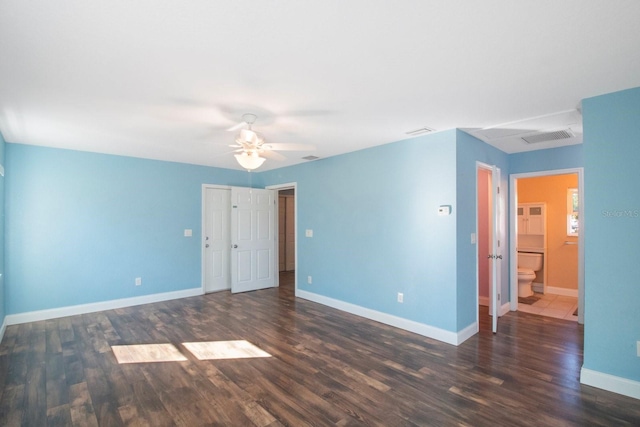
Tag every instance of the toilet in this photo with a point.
(528, 264)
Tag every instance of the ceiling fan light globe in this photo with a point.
(249, 161)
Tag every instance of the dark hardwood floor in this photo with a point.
(327, 368)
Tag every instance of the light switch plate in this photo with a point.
(308, 233)
(473, 238)
(638, 344)
(188, 232)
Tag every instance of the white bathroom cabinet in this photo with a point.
(531, 219)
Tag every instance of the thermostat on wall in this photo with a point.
(444, 210)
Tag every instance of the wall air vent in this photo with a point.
(548, 136)
(310, 158)
(419, 131)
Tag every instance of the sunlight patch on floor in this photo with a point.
(145, 353)
(213, 350)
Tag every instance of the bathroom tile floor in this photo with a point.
(558, 306)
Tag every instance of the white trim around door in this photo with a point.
(288, 186)
(513, 208)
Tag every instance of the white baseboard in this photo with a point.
(467, 333)
(389, 319)
(54, 313)
(504, 309)
(609, 382)
(562, 291)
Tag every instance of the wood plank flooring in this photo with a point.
(327, 368)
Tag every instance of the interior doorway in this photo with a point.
(287, 241)
(558, 288)
(488, 240)
(286, 230)
(484, 236)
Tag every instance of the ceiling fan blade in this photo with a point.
(272, 155)
(237, 127)
(289, 147)
(226, 153)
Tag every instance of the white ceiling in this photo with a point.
(163, 79)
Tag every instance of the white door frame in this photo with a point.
(287, 186)
(203, 219)
(513, 220)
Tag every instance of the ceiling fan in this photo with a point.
(251, 147)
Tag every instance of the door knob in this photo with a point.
(235, 246)
(206, 246)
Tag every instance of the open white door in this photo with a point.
(253, 240)
(495, 256)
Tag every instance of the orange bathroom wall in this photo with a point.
(562, 259)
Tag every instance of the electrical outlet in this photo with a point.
(309, 280)
(400, 297)
(138, 281)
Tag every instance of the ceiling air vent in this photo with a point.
(548, 136)
(419, 131)
(310, 158)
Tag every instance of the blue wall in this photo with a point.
(569, 157)
(80, 227)
(469, 151)
(376, 228)
(612, 205)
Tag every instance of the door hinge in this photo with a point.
(498, 243)
(498, 190)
